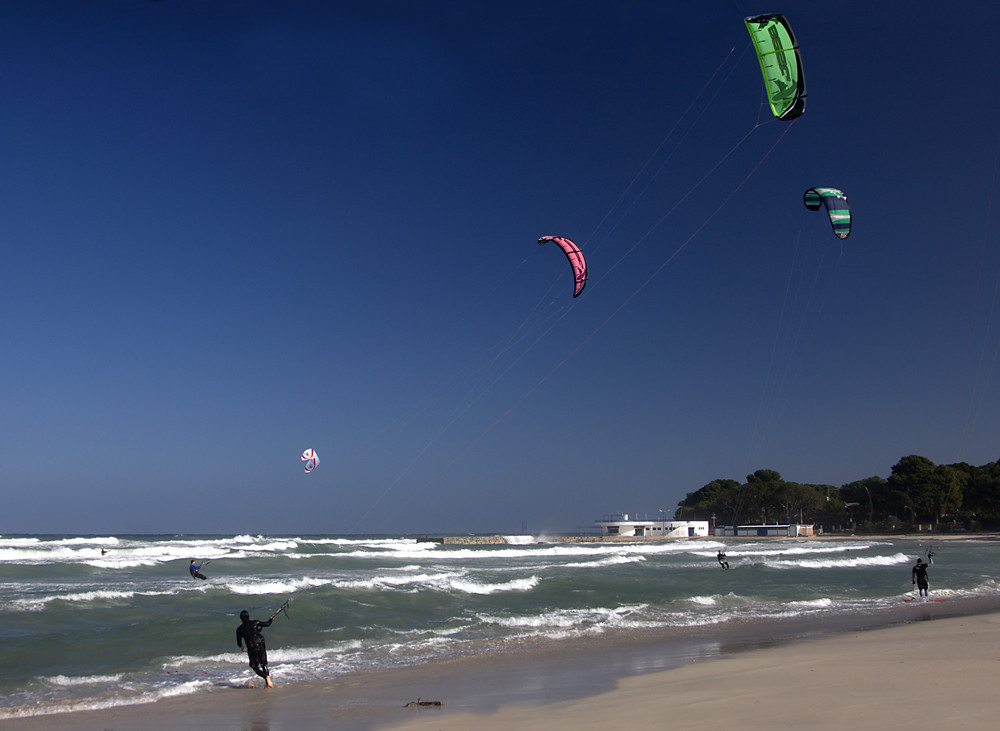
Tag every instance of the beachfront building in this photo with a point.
(764, 531)
(622, 525)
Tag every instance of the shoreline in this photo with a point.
(545, 678)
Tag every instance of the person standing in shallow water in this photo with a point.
(249, 632)
(919, 574)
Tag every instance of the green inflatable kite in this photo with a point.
(780, 63)
(836, 206)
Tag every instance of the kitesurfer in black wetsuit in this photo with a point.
(195, 570)
(919, 574)
(249, 632)
(722, 560)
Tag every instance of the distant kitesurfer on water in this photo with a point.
(249, 632)
(722, 560)
(919, 574)
(195, 569)
(930, 555)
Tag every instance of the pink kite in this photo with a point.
(576, 260)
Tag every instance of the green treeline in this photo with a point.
(918, 492)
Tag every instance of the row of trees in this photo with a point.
(918, 492)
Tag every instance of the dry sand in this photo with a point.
(926, 674)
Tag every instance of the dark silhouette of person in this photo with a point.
(249, 632)
(919, 575)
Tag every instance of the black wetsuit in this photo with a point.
(195, 570)
(920, 577)
(249, 632)
(722, 560)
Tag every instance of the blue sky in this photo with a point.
(235, 230)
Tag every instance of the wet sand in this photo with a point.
(930, 664)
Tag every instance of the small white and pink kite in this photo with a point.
(311, 459)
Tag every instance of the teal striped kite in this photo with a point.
(780, 63)
(836, 205)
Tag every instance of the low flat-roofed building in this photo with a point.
(621, 525)
(764, 531)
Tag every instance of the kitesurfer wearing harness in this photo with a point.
(195, 570)
(919, 574)
(249, 632)
(722, 560)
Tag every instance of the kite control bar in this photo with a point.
(279, 610)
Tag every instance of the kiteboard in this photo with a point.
(922, 600)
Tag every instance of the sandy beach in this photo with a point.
(938, 667)
(923, 675)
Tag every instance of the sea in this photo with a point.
(92, 622)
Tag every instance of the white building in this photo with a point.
(621, 525)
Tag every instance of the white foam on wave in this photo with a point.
(390, 543)
(835, 563)
(35, 604)
(275, 586)
(478, 587)
(578, 619)
(69, 681)
(23, 541)
(451, 581)
(100, 704)
(768, 550)
(812, 603)
(82, 596)
(529, 551)
(127, 553)
(177, 663)
(704, 601)
(19, 541)
(607, 561)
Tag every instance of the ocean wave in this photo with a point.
(534, 550)
(835, 563)
(622, 617)
(274, 586)
(812, 603)
(478, 587)
(704, 601)
(377, 542)
(19, 541)
(785, 549)
(68, 681)
(117, 700)
(454, 581)
(34, 604)
(128, 553)
(598, 563)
